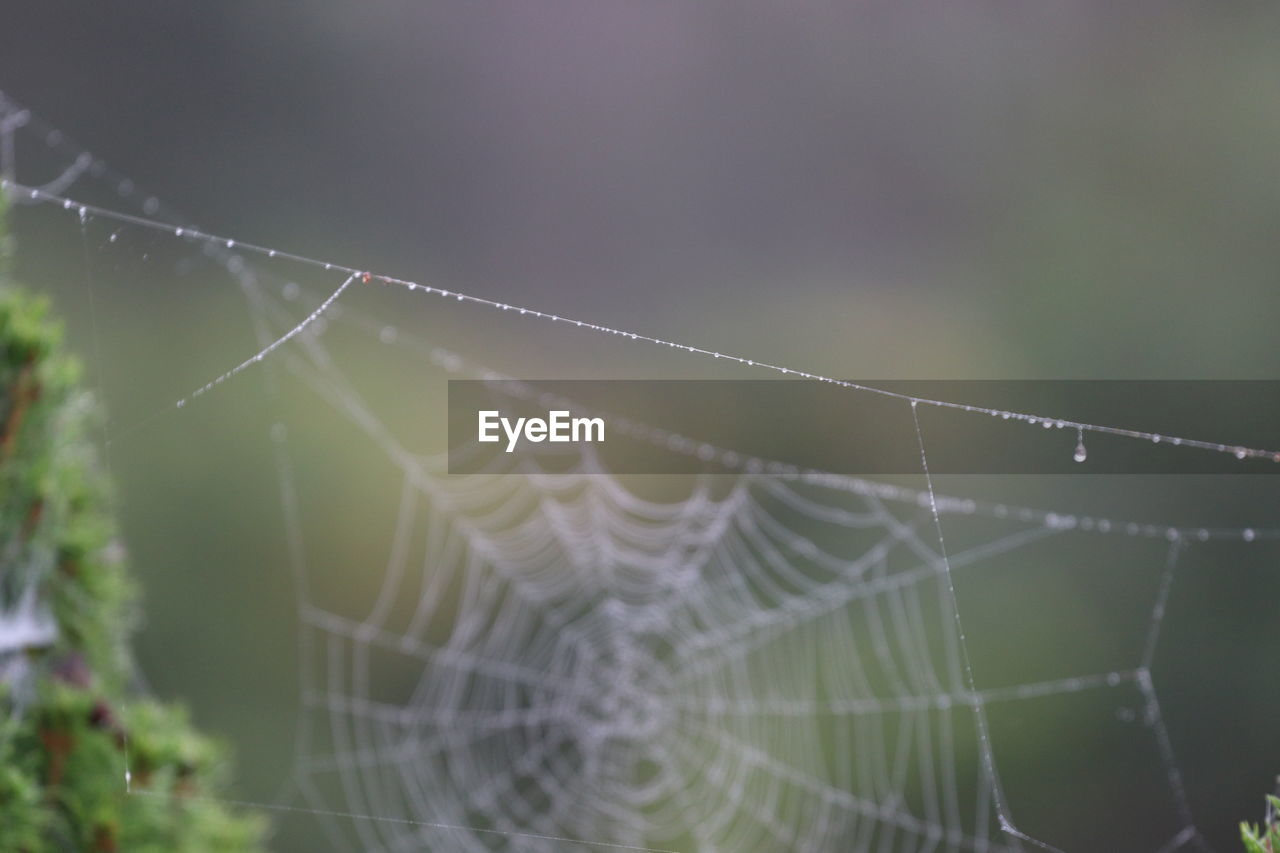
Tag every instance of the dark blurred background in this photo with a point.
(861, 189)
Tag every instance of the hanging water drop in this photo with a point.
(1082, 453)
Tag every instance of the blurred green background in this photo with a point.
(868, 190)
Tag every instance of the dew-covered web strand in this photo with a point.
(1176, 546)
(979, 710)
(99, 366)
(1049, 422)
(257, 358)
(734, 461)
(1152, 713)
(274, 345)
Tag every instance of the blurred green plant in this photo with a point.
(68, 725)
(1264, 838)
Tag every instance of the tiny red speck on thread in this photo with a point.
(365, 278)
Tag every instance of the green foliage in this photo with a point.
(21, 817)
(1265, 838)
(67, 723)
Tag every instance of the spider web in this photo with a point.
(557, 659)
(771, 663)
